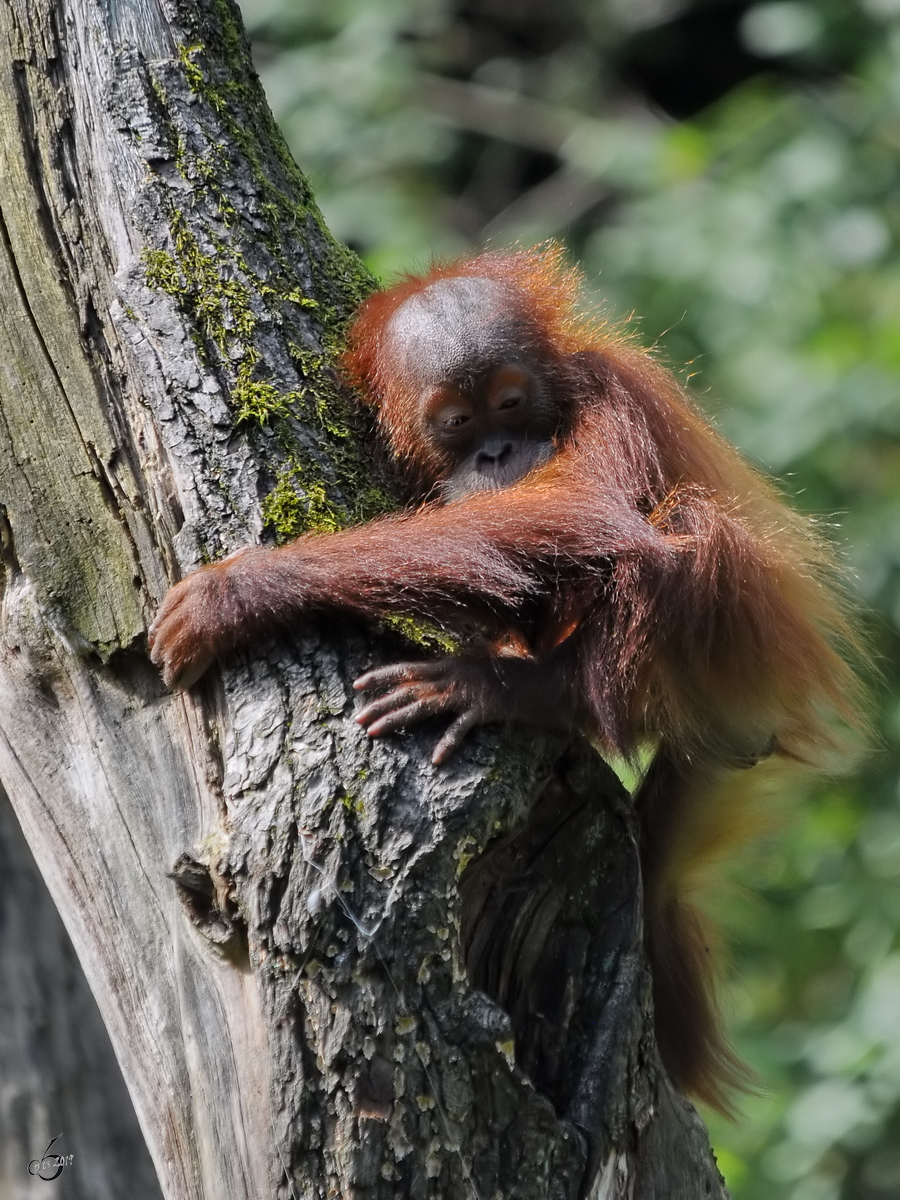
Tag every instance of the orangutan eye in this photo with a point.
(509, 397)
(455, 420)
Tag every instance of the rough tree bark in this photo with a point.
(326, 967)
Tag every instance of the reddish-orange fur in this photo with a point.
(545, 285)
(691, 608)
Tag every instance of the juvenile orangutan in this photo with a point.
(635, 579)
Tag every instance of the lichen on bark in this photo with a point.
(233, 269)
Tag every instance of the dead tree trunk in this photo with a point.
(60, 1080)
(327, 968)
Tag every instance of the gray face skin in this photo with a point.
(483, 387)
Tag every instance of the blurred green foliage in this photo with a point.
(729, 172)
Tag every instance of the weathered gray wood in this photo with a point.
(110, 780)
(59, 1079)
(272, 911)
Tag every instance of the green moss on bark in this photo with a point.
(233, 296)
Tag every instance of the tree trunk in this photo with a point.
(327, 968)
(61, 1083)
